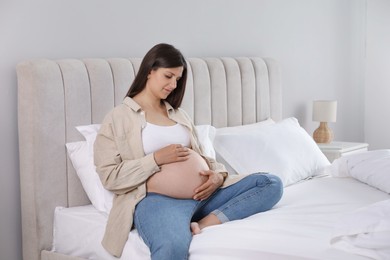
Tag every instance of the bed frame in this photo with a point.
(54, 96)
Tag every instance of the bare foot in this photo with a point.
(195, 229)
(209, 220)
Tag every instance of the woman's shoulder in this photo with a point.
(121, 118)
(177, 111)
(125, 109)
(181, 116)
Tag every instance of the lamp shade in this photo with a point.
(324, 110)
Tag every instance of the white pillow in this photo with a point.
(89, 131)
(236, 130)
(283, 149)
(81, 156)
(243, 128)
(206, 134)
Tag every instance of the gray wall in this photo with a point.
(377, 74)
(319, 43)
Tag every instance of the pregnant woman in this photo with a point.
(147, 153)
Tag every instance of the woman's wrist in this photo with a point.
(224, 176)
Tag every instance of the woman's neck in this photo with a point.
(149, 103)
(155, 110)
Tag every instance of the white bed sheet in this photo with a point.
(299, 227)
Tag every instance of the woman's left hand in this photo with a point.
(214, 181)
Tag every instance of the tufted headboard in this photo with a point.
(54, 96)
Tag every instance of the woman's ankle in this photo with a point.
(209, 220)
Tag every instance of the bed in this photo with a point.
(236, 105)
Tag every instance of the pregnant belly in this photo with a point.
(179, 179)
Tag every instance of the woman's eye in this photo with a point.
(168, 76)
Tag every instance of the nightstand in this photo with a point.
(335, 150)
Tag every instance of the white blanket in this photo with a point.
(365, 231)
(371, 167)
(299, 227)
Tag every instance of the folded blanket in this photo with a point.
(365, 231)
(371, 167)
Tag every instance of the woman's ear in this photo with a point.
(150, 74)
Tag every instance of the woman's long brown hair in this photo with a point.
(161, 56)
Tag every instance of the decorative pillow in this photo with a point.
(284, 149)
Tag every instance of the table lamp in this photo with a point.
(324, 111)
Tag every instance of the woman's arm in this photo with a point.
(118, 175)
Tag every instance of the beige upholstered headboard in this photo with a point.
(54, 96)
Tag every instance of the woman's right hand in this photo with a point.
(171, 153)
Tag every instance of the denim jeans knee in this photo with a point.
(255, 193)
(276, 188)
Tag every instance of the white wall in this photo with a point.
(320, 45)
(377, 91)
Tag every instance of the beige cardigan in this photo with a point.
(123, 167)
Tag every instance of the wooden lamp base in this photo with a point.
(323, 134)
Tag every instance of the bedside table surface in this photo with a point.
(342, 146)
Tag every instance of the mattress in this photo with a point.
(298, 227)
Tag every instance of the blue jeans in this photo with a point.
(164, 222)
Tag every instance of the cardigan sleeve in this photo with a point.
(117, 174)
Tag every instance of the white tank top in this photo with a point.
(155, 137)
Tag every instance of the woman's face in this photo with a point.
(162, 81)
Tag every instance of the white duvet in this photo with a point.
(365, 231)
(299, 227)
(371, 167)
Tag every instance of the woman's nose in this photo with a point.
(173, 83)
